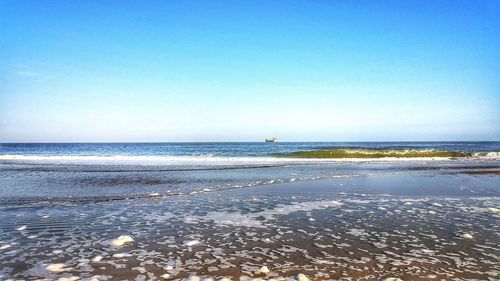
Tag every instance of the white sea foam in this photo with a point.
(22, 228)
(58, 267)
(147, 160)
(234, 219)
(254, 219)
(71, 278)
(192, 243)
(121, 255)
(122, 240)
(197, 160)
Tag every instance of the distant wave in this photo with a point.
(299, 157)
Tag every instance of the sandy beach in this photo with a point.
(421, 222)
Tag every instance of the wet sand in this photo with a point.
(429, 225)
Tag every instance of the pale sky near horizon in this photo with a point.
(247, 70)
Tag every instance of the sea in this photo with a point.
(250, 211)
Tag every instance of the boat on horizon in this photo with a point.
(273, 139)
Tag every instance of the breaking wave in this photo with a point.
(299, 157)
(386, 153)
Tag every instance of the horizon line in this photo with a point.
(158, 142)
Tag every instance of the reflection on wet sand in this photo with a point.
(293, 231)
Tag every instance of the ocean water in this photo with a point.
(224, 149)
(227, 209)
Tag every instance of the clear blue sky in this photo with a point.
(247, 70)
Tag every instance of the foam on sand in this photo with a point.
(71, 278)
(22, 228)
(234, 219)
(121, 255)
(192, 243)
(58, 267)
(255, 219)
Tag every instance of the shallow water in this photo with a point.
(415, 220)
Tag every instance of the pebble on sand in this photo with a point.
(123, 240)
(165, 276)
(467, 236)
(264, 270)
(392, 279)
(194, 278)
(97, 258)
(58, 267)
(302, 277)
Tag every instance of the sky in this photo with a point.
(110, 71)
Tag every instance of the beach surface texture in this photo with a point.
(250, 211)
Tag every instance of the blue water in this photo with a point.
(223, 149)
